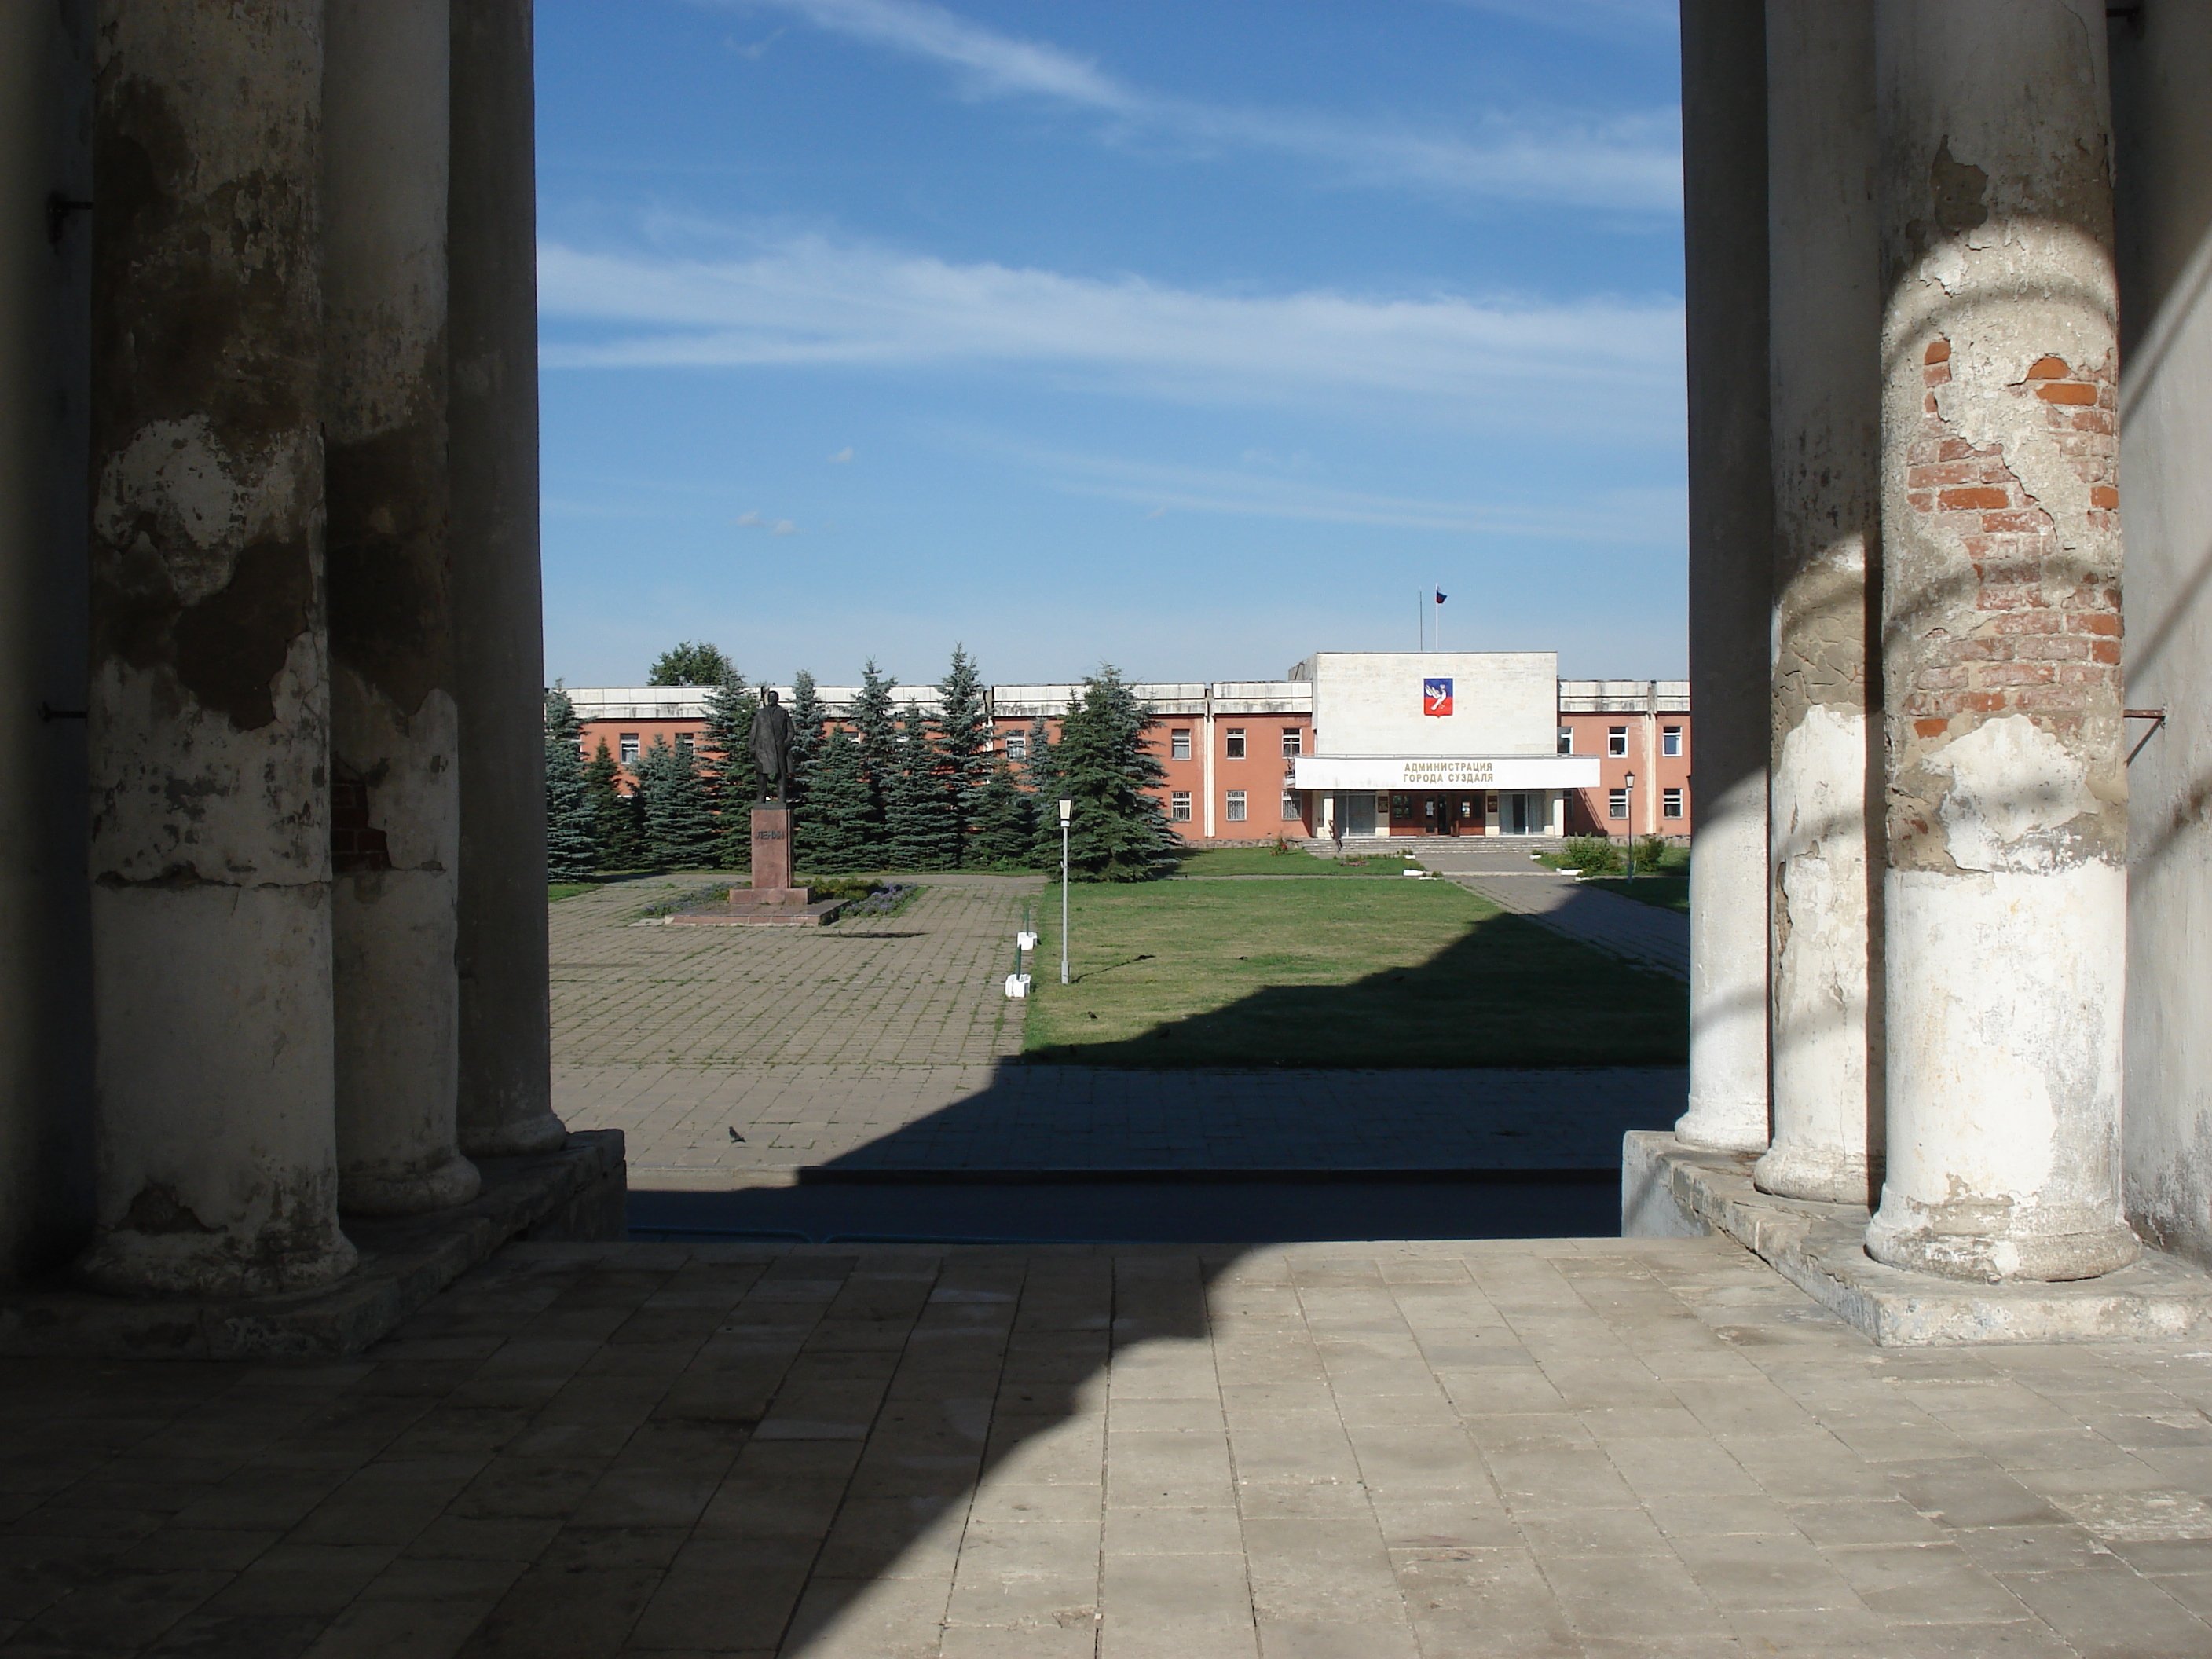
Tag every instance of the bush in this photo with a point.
(1650, 852)
(1592, 855)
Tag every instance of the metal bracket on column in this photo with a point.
(2155, 716)
(58, 208)
(48, 712)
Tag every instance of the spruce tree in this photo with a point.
(834, 820)
(733, 783)
(1120, 831)
(571, 852)
(922, 830)
(805, 721)
(962, 728)
(679, 828)
(1041, 777)
(874, 720)
(618, 827)
(1003, 828)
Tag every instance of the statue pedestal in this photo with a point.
(771, 900)
(771, 881)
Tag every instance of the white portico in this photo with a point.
(1434, 743)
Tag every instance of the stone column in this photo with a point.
(2164, 152)
(394, 741)
(2005, 895)
(1826, 391)
(46, 973)
(506, 1053)
(209, 684)
(1731, 538)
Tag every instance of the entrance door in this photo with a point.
(1516, 808)
(1360, 813)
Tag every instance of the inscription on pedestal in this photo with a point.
(771, 860)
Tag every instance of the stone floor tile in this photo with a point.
(1768, 1571)
(2112, 1613)
(407, 1630)
(549, 1614)
(1179, 1530)
(1478, 1603)
(123, 1610)
(1316, 1638)
(1637, 1597)
(238, 1635)
(1550, 1479)
(292, 1578)
(879, 1619)
(1923, 1584)
(1608, 1532)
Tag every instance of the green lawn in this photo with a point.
(555, 891)
(1334, 974)
(1667, 891)
(1267, 861)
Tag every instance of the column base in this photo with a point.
(1724, 1125)
(369, 1191)
(124, 1262)
(523, 1138)
(1920, 1241)
(1823, 1176)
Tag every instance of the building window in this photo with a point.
(1179, 807)
(1567, 740)
(684, 743)
(1235, 749)
(1671, 804)
(1616, 739)
(1291, 740)
(1292, 807)
(1616, 803)
(1670, 739)
(1179, 744)
(1235, 813)
(629, 742)
(1018, 745)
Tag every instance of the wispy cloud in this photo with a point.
(806, 301)
(1624, 517)
(843, 457)
(1606, 19)
(1630, 162)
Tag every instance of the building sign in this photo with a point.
(1435, 696)
(1446, 773)
(1438, 772)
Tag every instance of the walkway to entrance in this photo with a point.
(1559, 1448)
(1506, 874)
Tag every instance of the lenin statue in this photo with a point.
(771, 745)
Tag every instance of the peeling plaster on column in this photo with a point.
(1826, 408)
(396, 723)
(2005, 898)
(1821, 1044)
(208, 709)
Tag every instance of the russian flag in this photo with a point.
(1440, 596)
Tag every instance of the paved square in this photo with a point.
(890, 1045)
(1575, 1448)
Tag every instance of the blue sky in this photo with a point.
(1188, 335)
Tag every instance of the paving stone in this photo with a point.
(1106, 1491)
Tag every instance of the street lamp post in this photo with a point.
(1628, 792)
(1067, 812)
